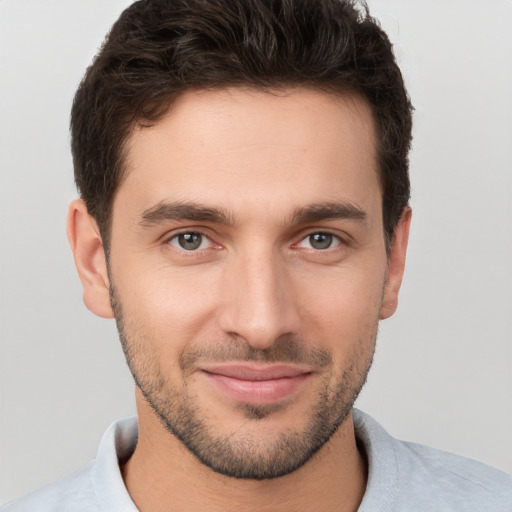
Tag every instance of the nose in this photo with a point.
(259, 303)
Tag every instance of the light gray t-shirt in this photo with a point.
(402, 477)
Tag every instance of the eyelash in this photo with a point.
(176, 236)
(335, 239)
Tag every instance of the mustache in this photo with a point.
(283, 350)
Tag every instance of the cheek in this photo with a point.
(341, 304)
(170, 306)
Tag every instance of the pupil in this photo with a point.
(189, 241)
(320, 240)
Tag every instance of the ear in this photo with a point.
(86, 244)
(396, 264)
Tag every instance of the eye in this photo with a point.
(190, 241)
(319, 241)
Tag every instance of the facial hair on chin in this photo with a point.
(239, 455)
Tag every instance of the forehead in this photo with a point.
(237, 148)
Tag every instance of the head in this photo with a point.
(243, 171)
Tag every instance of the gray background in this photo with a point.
(442, 374)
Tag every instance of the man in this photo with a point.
(244, 216)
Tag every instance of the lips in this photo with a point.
(256, 383)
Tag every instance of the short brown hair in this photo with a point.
(158, 49)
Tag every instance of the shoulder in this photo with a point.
(406, 475)
(75, 492)
(476, 486)
(99, 486)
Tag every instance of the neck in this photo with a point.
(162, 475)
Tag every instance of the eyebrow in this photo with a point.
(190, 211)
(329, 211)
(195, 212)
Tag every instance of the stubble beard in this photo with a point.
(238, 455)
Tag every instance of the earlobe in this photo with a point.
(85, 241)
(396, 265)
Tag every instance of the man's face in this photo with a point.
(248, 271)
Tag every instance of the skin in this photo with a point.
(255, 283)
